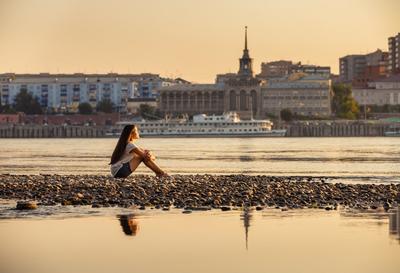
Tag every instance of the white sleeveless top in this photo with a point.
(126, 157)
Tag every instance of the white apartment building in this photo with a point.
(63, 92)
(66, 92)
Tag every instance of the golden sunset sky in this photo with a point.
(193, 39)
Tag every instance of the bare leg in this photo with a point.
(136, 160)
(153, 166)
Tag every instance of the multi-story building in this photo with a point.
(385, 91)
(375, 68)
(275, 69)
(279, 69)
(394, 55)
(311, 69)
(361, 69)
(351, 66)
(148, 84)
(192, 99)
(237, 92)
(302, 94)
(64, 92)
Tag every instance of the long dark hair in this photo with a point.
(122, 141)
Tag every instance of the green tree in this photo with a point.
(149, 112)
(25, 102)
(105, 105)
(343, 103)
(286, 115)
(85, 108)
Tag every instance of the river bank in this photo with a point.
(320, 128)
(197, 192)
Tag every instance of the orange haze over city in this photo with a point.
(191, 39)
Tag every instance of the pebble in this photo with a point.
(26, 205)
(79, 195)
(186, 211)
(198, 192)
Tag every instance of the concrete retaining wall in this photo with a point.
(38, 131)
(355, 129)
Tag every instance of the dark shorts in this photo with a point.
(125, 171)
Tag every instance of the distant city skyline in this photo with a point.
(195, 40)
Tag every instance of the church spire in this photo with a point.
(245, 63)
(245, 38)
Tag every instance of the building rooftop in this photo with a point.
(62, 75)
(83, 78)
(192, 87)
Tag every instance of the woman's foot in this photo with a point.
(162, 175)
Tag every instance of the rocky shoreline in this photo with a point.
(197, 192)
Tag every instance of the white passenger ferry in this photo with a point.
(226, 125)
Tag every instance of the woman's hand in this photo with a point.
(149, 155)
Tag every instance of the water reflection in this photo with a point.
(246, 217)
(243, 158)
(394, 223)
(129, 224)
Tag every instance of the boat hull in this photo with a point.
(277, 133)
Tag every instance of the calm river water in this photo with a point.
(351, 159)
(64, 239)
(152, 241)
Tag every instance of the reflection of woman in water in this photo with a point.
(130, 226)
(127, 156)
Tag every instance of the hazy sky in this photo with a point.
(193, 39)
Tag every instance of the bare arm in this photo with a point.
(143, 153)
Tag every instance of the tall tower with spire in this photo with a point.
(245, 63)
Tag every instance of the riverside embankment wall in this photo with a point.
(303, 129)
(337, 129)
(49, 131)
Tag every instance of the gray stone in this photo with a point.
(26, 205)
(186, 211)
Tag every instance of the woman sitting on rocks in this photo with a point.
(127, 156)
